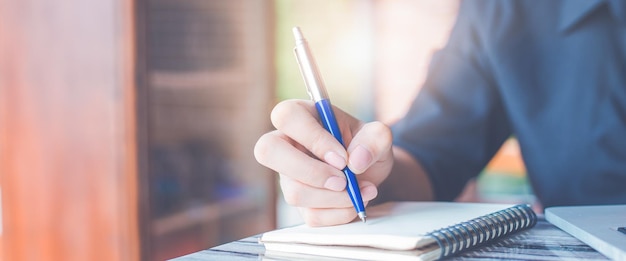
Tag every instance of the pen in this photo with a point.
(317, 92)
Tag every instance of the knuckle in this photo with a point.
(383, 135)
(380, 129)
(318, 140)
(328, 217)
(260, 148)
(291, 198)
(278, 112)
(281, 112)
(316, 174)
(263, 147)
(312, 221)
(292, 191)
(311, 218)
(308, 175)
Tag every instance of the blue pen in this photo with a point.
(317, 91)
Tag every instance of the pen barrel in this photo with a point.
(327, 117)
(354, 191)
(308, 68)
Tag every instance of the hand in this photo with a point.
(309, 160)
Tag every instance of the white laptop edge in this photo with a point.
(594, 225)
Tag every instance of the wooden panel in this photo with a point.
(210, 90)
(67, 130)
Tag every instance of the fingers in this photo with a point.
(370, 145)
(318, 217)
(297, 119)
(275, 151)
(309, 160)
(301, 195)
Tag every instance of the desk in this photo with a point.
(542, 242)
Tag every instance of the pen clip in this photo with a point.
(306, 83)
(308, 68)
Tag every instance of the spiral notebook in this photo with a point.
(405, 231)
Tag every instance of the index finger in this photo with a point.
(276, 151)
(298, 120)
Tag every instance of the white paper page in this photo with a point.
(395, 226)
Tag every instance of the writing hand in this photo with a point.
(309, 160)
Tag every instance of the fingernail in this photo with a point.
(369, 192)
(335, 183)
(360, 159)
(335, 160)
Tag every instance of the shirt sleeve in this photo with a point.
(457, 122)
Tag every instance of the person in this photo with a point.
(551, 73)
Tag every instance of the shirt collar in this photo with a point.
(574, 11)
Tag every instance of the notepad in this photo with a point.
(405, 231)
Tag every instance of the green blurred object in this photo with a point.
(504, 187)
(343, 47)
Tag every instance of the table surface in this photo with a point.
(542, 242)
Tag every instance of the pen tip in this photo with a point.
(362, 217)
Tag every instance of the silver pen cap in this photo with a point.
(308, 68)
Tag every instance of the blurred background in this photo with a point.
(127, 126)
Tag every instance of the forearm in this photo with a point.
(406, 182)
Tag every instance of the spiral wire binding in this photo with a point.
(464, 235)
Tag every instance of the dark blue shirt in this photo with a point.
(551, 73)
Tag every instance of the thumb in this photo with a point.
(371, 144)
